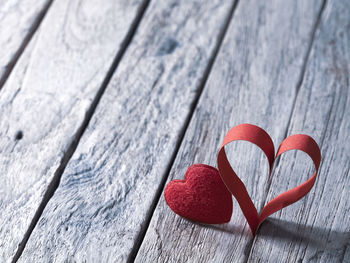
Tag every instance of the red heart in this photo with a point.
(258, 136)
(201, 197)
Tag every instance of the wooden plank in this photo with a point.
(18, 22)
(103, 201)
(44, 102)
(317, 229)
(254, 79)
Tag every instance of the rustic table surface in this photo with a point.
(103, 102)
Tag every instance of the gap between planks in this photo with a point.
(201, 86)
(321, 220)
(25, 42)
(298, 86)
(71, 149)
(299, 83)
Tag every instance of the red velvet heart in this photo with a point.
(201, 197)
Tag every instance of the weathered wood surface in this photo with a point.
(44, 102)
(18, 21)
(317, 229)
(102, 204)
(255, 79)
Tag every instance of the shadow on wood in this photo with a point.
(312, 235)
(227, 228)
(291, 232)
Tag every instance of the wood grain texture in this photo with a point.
(104, 198)
(44, 102)
(18, 19)
(255, 80)
(317, 229)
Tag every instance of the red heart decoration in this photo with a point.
(258, 136)
(201, 196)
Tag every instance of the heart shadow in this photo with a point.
(285, 230)
(314, 236)
(291, 232)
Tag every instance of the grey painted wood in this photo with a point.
(18, 20)
(44, 102)
(254, 79)
(317, 229)
(104, 198)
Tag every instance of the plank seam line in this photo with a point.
(303, 69)
(321, 166)
(32, 30)
(54, 184)
(201, 86)
(298, 87)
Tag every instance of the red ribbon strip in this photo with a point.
(256, 135)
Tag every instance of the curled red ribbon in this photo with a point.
(256, 135)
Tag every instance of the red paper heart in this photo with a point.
(201, 197)
(258, 136)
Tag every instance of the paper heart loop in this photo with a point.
(303, 143)
(256, 135)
